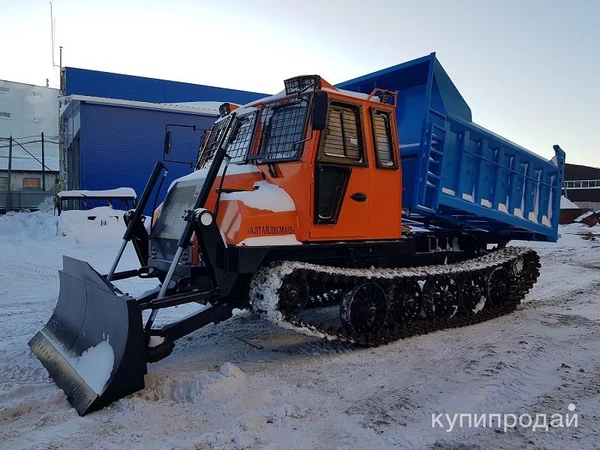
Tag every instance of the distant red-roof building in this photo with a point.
(582, 184)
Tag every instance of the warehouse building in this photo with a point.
(113, 127)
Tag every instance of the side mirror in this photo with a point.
(319, 112)
(168, 141)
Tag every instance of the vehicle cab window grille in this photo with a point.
(212, 143)
(383, 140)
(283, 127)
(242, 138)
(342, 139)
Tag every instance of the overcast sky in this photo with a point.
(529, 70)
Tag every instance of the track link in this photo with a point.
(380, 305)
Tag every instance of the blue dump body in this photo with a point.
(458, 174)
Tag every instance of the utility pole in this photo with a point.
(8, 193)
(43, 166)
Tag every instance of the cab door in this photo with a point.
(341, 179)
(386, 181)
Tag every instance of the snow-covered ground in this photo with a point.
(247, 384)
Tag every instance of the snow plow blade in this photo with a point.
(93, 346)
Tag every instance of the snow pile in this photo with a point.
(231, 370)
(28, 226)
(565, 203)
(281, 389)
(91, 225)
(47, 205)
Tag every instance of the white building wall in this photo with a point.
(25, 112)
(28, 110)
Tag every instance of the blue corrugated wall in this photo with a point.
(119, 145)
(128, 87)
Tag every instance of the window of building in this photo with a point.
(3, 182)
(4, 90)
(38, 94)
(4, 115)
(31, 182)
(382, 137)
(38, 118)
(342, 139)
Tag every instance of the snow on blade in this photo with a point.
(94, 365)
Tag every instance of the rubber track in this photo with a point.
(266, 284)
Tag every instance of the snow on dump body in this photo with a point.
(94, 365)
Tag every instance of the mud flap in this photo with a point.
(94, 345)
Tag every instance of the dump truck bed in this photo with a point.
(458, 174)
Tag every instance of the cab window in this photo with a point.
(382, 138)
(342, 140)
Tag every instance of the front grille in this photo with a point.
(331, 187)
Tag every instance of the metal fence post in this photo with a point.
(8, 192)
(43, 166)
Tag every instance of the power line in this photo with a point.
(32, 143)
(54, 136)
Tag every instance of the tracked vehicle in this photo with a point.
(363, 215)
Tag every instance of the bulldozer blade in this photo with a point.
(94, 345)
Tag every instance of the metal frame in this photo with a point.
(260, 156)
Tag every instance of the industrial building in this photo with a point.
(29, 139)
(582, 186)
(114, 125)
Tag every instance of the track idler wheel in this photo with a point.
(294, 294)
(363, 310)
(406, 302)
(441, 298)
(473, 293)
